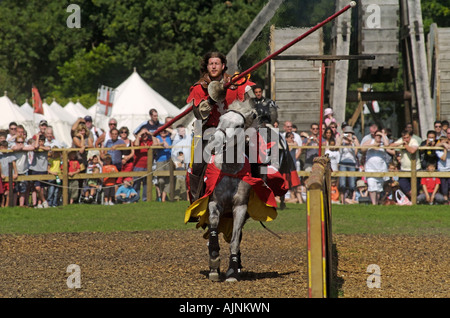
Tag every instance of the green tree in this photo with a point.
(34, 40)
(435, 11)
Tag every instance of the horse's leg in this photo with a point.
(213, 244)
(239, 217)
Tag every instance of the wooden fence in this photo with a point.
(64, 176)
(414, 174)
(171, 173)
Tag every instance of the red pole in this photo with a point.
(170, 122)
(265, 60)
(321, 107)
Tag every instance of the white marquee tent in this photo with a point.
(10, 112)
(133, 100)
(76, 110)
(60, 121)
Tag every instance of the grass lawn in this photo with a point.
(144, 216)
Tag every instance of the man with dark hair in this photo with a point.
(266, 108)
(438, 129)
(151, 125)
(12, 128)
(428, 156)
(313, 140)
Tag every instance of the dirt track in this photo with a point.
(174, 264)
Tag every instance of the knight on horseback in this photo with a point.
(220, 189)
(208, 109)
(209, 103)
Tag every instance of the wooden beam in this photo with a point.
(250, 34)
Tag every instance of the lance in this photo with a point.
(263, 61)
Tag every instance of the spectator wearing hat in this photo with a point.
(328, 117)
(95, 132)
(43, 124)
(360, 195)
(348, 161)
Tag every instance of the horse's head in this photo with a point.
(231, 128)
(246, 110)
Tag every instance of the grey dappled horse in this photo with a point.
(231, 195)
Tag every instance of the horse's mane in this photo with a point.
(246, 109)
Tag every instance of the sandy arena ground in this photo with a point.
(173, 264)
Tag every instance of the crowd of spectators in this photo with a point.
(38, 155)
(370, 154)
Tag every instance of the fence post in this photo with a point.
(319, 236)
(11, 202)
(413, 181)
(149, 174)
(65, 178)
(171, 181)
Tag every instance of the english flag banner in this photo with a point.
(37, 102)
(105, 99)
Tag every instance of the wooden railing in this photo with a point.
(413, 174)
(64, 176)
(171, 173)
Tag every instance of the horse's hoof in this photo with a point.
(231, 279)
(214, 276)
(232, 275)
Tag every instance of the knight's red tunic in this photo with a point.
(199, 92)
